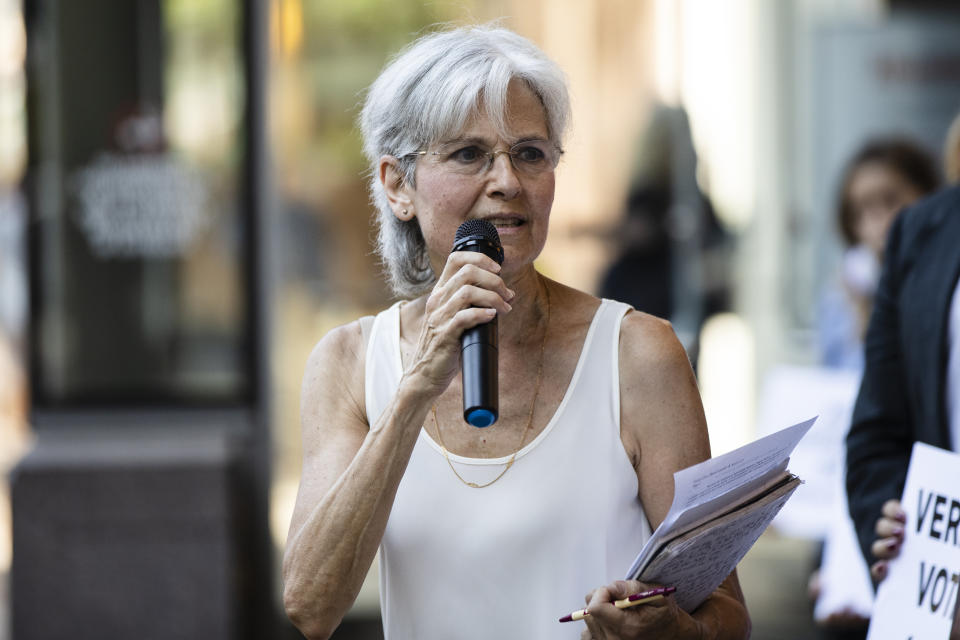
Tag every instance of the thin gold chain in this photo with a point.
(523, 437)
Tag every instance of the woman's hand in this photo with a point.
(890, 529)
(469, 292)
(656, 619)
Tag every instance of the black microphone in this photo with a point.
(479, 345)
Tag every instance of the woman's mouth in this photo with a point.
(507, 222)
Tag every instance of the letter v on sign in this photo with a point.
(924, 508)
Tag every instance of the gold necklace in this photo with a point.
(523, 437)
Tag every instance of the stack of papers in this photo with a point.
(720, 507)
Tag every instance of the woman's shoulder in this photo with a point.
(344, 345)
(333, 377)
(647, 340)
(657, 388)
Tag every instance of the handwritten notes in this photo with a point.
(700, 560)
(720, 507)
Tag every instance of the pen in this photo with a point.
(629, 601)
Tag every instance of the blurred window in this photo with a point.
(139, 241)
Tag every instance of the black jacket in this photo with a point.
(903, 393)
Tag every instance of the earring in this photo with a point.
(404, 212)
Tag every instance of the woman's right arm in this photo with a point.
(349, 478)
(351, 470)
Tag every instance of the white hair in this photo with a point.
(428, 92)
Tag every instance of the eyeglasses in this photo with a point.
(531, 157)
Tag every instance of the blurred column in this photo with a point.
(141, 511)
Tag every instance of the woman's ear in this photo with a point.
(395, 186)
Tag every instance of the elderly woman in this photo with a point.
(494, 532)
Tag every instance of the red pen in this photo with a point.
(630, 601)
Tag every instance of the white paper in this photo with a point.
(700, 490)
(700, 560)
(918, 596)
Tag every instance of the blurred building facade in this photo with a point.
(140, 508)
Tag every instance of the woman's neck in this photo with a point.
(529, 307)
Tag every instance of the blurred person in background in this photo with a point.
(494, 532)
(665, 208)
(883, 177)
(13, 321)
(911, 382)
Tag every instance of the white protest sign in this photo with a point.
(918, 596)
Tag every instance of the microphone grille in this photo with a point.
(478, 228)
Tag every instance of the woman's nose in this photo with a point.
(502, 178)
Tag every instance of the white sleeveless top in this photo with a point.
(508, 560)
